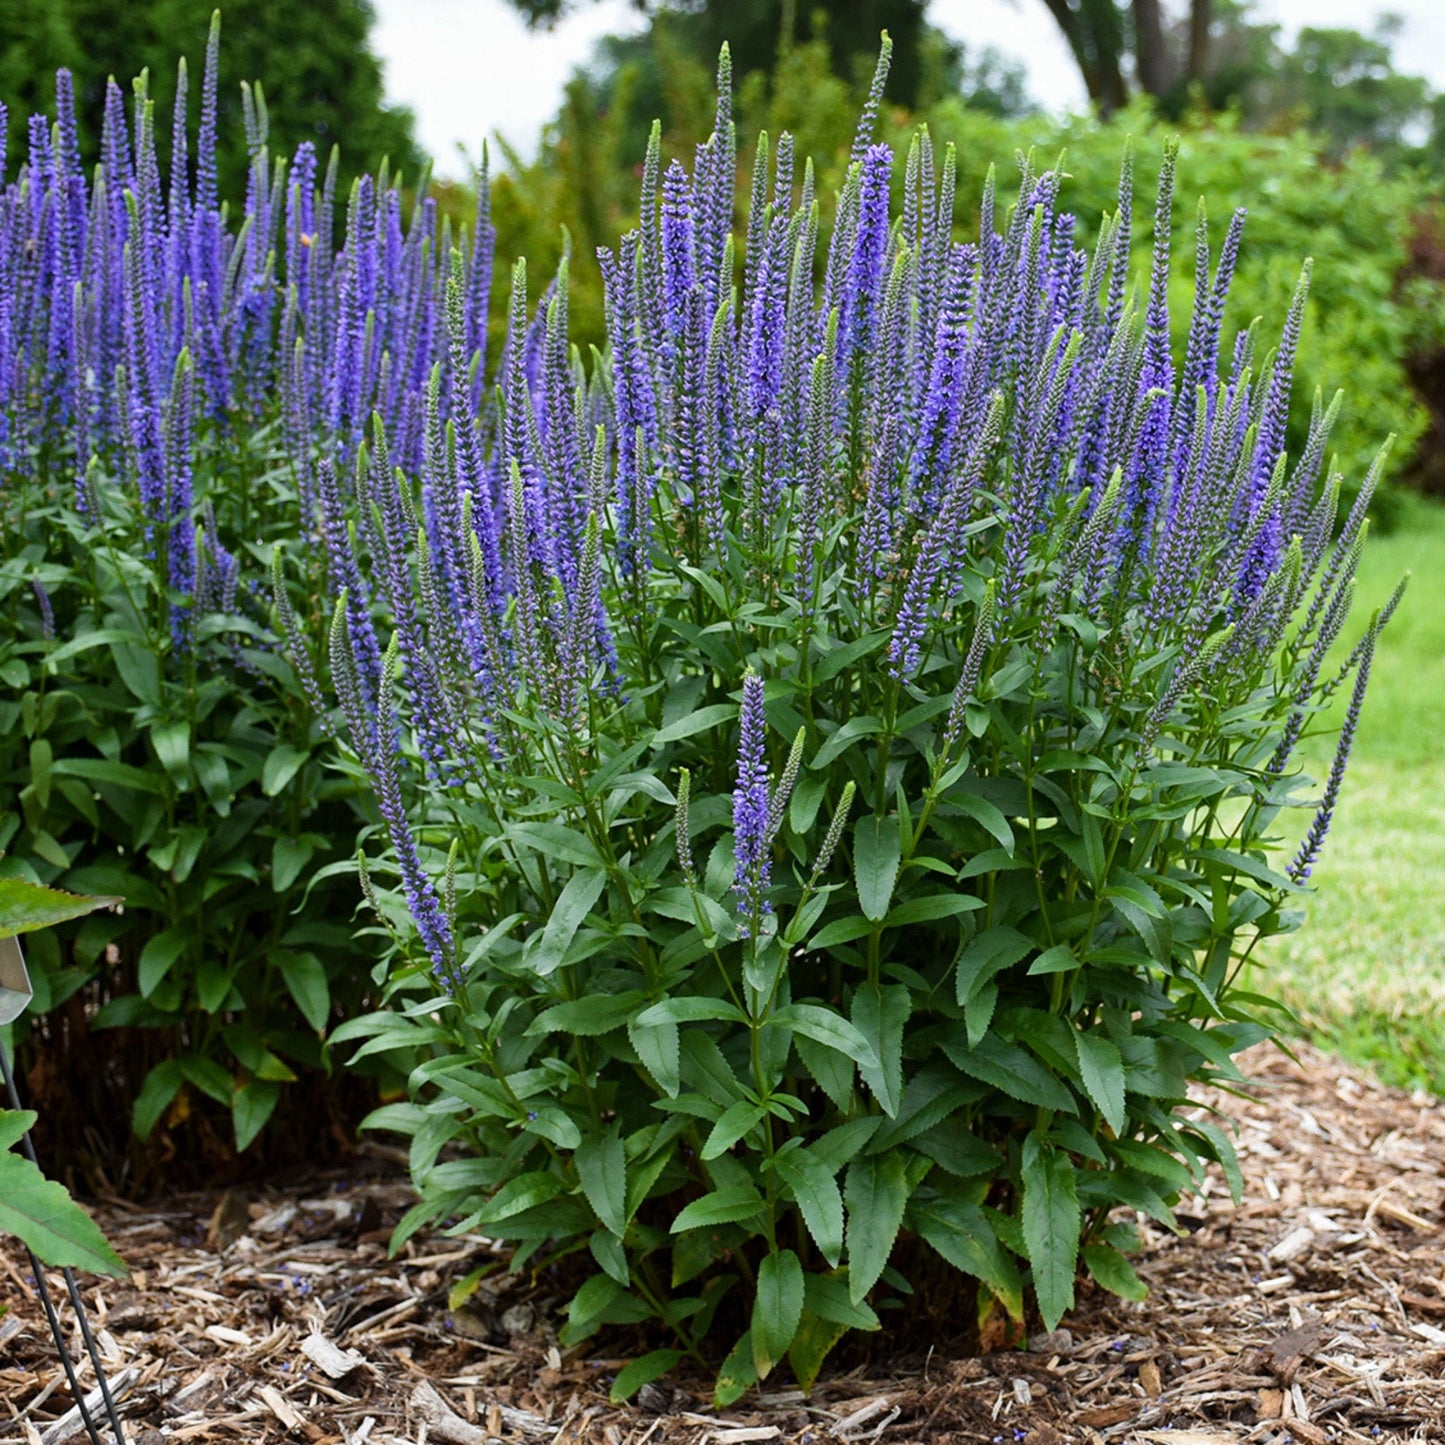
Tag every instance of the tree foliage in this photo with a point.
(322, 80)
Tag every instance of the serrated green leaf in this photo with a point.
(822, 1025)
(880, 1014)
(876, 1194)
(828, 1298)
(526, 1191)
(14, 1125)
(877, 852)
(962, 1234)
(722, 1206)
(40, 1213)
(658, 1048)
(1101, 1067)
(819, 1200)
(26, 906)
(691, 1011)
(777, 1309)
(602, 1170)
(986, 815)
(812, 1344)
(573, 904)
(992, 951)
(590, 1017)
(931, 908)
(1011, 1070)
(1051, 1222)
(736, 1122)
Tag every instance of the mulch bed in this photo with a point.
(1315, 1312)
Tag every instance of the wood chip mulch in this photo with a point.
(1315, 1312)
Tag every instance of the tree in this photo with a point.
(320, 78)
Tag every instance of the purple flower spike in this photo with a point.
(750, 808)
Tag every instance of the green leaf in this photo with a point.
(1011, 1070)
(818, 1198)
(305, 977)
(822, 1025)
(880, 1015)
(281, 765)
(777, 1309)
(1110, 1269)
(573, 904)
(161, 1085)
(962, 1234)
(691, 1011)
(602, 1170)
(289, 855)
(554, 840)
(642, 1371)
(931, 908)
(831, 1071)
(657, 1047)
(158, 956)
(737, 1121)
(852, 731)
(26, 906)
(172, 742)
(738, 1374)
(986, 814)
(876, 854)
(828, 1298)
(590, 1017)
(14, 1125)
(695, 722)
(48, 1221)
(1101, 1067)
(722, 1206)
(992, 951)
(525, 1191)
(812, 1344)
(840, 930)
(1058, 959)
(251, 1107)
(876, 1193)
(1051, 1223)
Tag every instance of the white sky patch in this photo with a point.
(470, 69)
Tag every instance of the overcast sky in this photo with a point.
(470, 69)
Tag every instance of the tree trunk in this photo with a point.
(1199, 18)
(1095, 44)
(1149, 53)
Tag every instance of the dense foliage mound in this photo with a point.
(830, 747)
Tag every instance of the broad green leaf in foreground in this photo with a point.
(45, 1218)
(26, 906)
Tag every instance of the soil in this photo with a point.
(1314, 1312)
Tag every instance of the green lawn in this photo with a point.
(1367, 973)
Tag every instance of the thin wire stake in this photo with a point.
(48, 1305)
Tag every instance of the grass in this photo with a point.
(1366, 975)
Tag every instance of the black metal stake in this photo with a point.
(76, 1302)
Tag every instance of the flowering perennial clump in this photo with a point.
(1045, 606)
(1015, 558)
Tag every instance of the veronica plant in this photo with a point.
(834, 748)
(171, 363)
